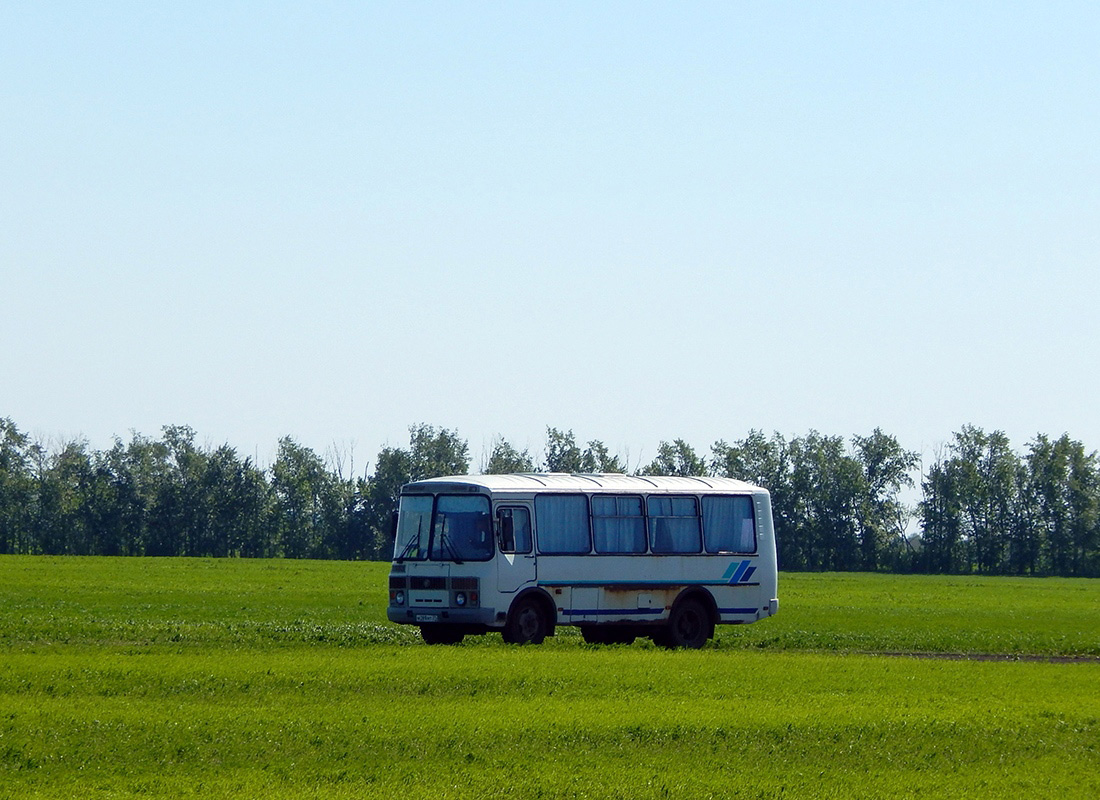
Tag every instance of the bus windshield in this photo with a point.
(463, 530)
(460, 529)
(413, 526)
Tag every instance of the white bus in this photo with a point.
(619, 556)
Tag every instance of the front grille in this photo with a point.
(398, 582)
(428, 583)
(464, 584)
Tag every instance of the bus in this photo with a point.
(619, 556)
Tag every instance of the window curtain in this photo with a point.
(561, 524)
(617, 524)
(673, 525)
(728, 525)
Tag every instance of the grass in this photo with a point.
(173, 678)
(856, 612)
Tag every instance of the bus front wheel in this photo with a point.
(527, 623)
(688, 626)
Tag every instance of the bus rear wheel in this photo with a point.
(441, 634)
(689, 626)
(527, 623)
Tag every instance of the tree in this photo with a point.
(159, 466)
(1064, 491)
(16, 488)
(435, 453)
(597, 458)
(829, 488)
(973, 504)
(504, 459)
(941, 525)
(984, 507)
(756, 459)
(562, 452)
(236, 498)
(985, 468)
(359, 539)
(432, 453)
(142, 476)
(887, 468)
(109, 509)
(678, 458)
(308, 502)
(1084, 499)
(392, 471)
(68, 503)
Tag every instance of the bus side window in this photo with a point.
(514, 530)
(507, 531)
(673, 524)
(729, 525)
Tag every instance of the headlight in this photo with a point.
(399, 598)
(460, 598)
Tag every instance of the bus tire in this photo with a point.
(527, 622)
(689, 626)
(441, 634)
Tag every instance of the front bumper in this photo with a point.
(428, 616)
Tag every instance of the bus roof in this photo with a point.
(577, 482)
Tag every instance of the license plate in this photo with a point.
(427, 618)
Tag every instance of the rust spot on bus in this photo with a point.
(617, 589)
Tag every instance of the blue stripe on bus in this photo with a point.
(643, 584)
(620, 612)
(626, 612)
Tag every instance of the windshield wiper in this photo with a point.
(405, 552)
(443, 540)
(412, 542)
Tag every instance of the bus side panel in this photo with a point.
(625, 604)
(563, 602)
(739, 604)
(765, 536)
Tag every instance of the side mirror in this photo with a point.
(393, 525)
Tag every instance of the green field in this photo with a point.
(167, 678)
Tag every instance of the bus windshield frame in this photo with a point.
(444, 527)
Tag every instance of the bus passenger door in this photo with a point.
(516, 556)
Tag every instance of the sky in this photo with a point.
(636, 221)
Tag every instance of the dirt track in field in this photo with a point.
(991, 657)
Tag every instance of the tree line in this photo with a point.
(837, 503)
